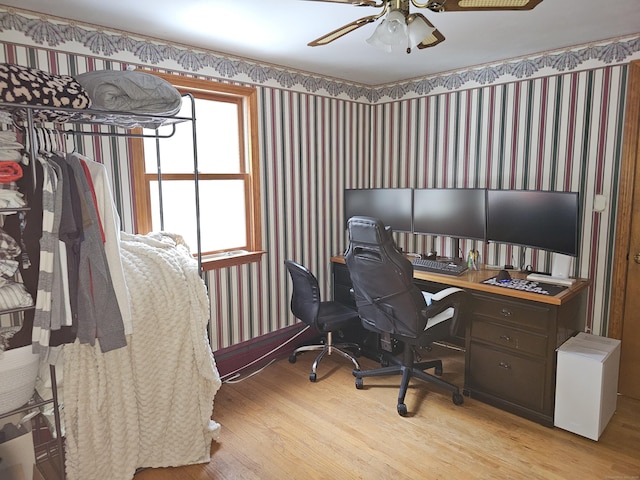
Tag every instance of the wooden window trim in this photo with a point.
(142, 193)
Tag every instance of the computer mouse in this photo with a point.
(503, 276)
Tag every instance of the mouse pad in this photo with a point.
(526, 285)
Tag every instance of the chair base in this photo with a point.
(326, 349)
(408, 369)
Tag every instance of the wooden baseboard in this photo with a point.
(246, 356)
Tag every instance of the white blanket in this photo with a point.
(149, 404)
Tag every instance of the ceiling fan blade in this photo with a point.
(339, 32)
(469, 5)
(433, 39)
(357, 3)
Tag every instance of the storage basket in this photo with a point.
(18, 373)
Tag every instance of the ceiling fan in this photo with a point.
(402, 28)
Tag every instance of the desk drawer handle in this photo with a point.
(505, 312)
(506, 338)
(505, 365)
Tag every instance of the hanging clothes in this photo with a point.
(62, 315)
(70, 236)
(52, 324)
(51, 203)
(111, 229)
(98, 311)
(75, 297)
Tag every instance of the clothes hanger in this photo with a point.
(39, 142)
(69, 134)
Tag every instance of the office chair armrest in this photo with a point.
(444, 293)
(444, 299)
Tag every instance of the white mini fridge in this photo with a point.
(586, 384)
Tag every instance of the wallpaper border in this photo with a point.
(45, 30)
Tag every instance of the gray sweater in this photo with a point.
(98, 312)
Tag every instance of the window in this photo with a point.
(228, 174)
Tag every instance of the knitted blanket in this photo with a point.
(148, 404)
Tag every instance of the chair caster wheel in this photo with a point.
(312, 377)
(292, 358)
(458, 399)
(438, 371)
(359, 383)
(402, 409)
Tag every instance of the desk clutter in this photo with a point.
(525, 285)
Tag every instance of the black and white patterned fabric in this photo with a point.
(31, 86)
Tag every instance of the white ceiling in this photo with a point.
(277, 31)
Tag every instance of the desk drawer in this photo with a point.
(508, 337)
(517, 313)
(509, 377)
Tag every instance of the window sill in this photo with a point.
(213, 262)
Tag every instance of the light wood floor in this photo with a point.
(278, 425)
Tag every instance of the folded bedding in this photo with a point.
(14, 295)
(130, 91)
(31, 86)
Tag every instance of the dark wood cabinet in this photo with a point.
(511, 346)
(510, 338)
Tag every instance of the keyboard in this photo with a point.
(435, 266)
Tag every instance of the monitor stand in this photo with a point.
(456, 258)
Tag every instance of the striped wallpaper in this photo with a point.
(555, 133)
(560, 132)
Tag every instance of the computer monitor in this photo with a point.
(532, 218)
(393, 206)
(450, 212)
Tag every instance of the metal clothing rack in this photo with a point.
(110, 118)
(26, 114)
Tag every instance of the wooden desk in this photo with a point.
(510, 337)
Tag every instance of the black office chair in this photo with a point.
(327, 317)
(389, 302)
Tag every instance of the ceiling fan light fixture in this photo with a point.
(392, 31)
(418, 30)
(402, 29)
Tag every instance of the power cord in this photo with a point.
(234, 377)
